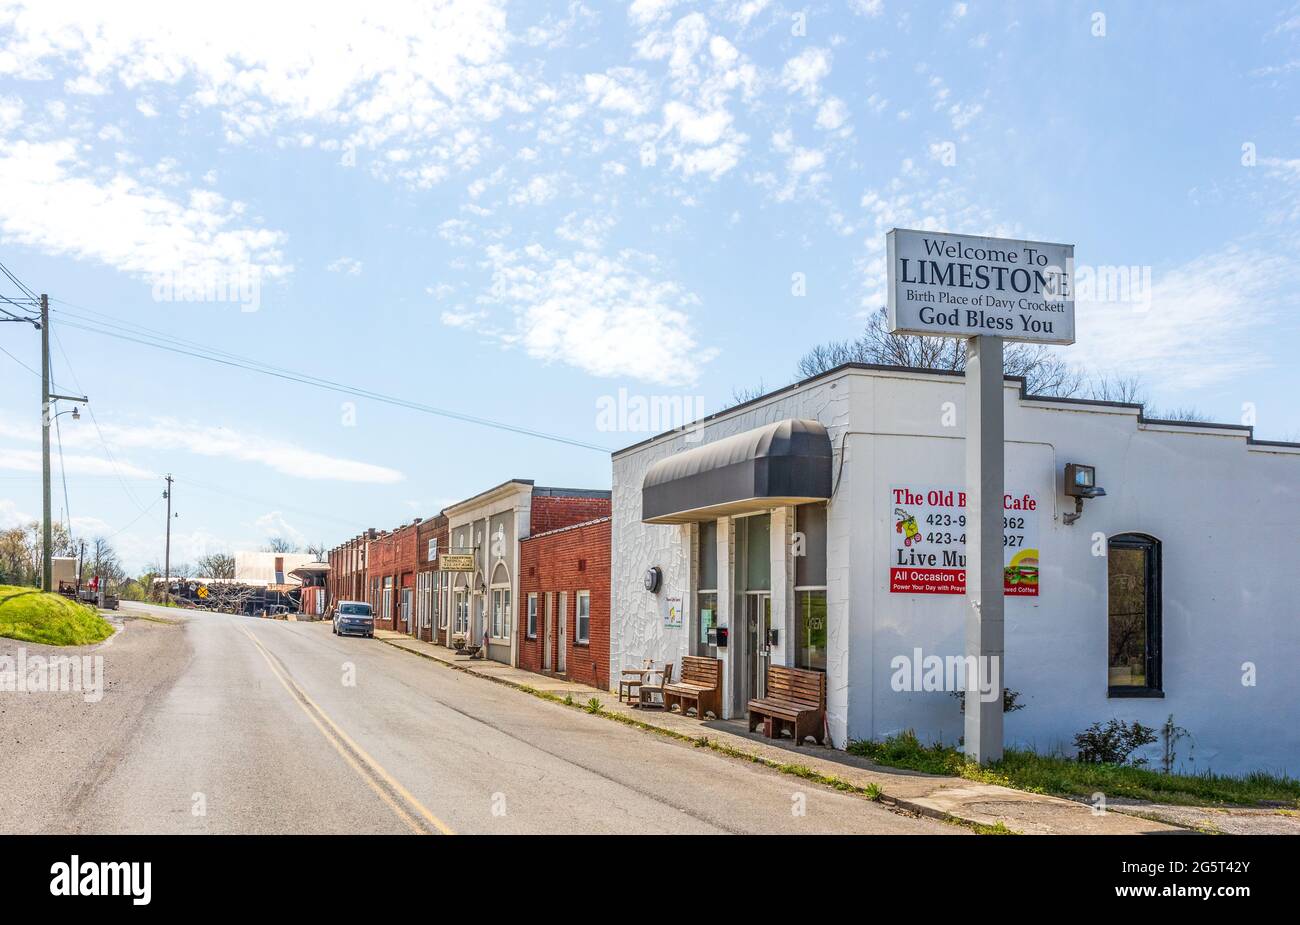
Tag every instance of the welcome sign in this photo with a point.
(956, 285)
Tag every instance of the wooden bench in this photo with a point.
(701, 685)
(796, 698)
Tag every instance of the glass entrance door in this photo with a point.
(758, 625)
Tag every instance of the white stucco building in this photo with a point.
(831, 512)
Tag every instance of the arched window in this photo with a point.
(1133, 616)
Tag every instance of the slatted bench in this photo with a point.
(701, 686)
(795, 698)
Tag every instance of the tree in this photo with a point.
(217, 565)
(101, 559)
(20, 551)
(280, 544)
(742, 394)
(1045, 372)
(318, 550)
(1130, 390)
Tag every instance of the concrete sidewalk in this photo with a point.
(951, 798)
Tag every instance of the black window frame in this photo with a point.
(1155, 615)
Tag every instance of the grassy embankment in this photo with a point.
(50, 619)
(1055, 774)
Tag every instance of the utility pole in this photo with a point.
(47, 527)
(167, 554)
(986, 603)
(47, 417)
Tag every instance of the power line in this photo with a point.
(63, 474)
(160, 341)
(20, 362)
(112, 460)
(19, 283)
(135, 519)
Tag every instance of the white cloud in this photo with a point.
(163, 434)
(621, 89)
(538, 190)
(832, 114)
(10, 516)
(805, 72)
(349, 266)
(644, 12)
(53, 202)
(1201, 326)
(745, 11)
(606, 315)
(706, 75)
(273, 524)
(429, 73)
(73, 463)
(11, 113)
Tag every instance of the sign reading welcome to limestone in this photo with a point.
(956, 285)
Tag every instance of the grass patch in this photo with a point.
(1035, 773)
(50, 619)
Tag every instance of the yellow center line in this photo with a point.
(303, 700)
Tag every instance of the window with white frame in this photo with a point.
(582, 628)
(433, 549)
(425, 601)
(439, 599)
(462, 611)
(501, 613)
(532, 616)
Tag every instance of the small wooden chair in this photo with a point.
(651, 688)
(632, 679)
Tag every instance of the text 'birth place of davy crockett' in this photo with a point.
(986, 290)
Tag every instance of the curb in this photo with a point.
(728, 751)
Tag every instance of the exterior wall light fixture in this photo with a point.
(1080, 484)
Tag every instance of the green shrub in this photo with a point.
(1113, 742)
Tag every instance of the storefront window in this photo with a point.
(501, 612)
(758, 551)
(812, 629)
(1133, 609)
(708, 615)
(462, 612)
(810, 586)
(706, 595)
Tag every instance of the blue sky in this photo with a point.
(513, 212)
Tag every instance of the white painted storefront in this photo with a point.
(1214, 514)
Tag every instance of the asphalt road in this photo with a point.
(229, 724)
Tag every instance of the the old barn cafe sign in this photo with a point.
(964, 286)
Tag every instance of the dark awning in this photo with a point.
(785, 463)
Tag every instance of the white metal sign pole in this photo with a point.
(984, 556)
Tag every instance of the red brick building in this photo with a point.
(347, 575)
(390, 570)
(564, 591)
(430, 583)
(488, 528)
